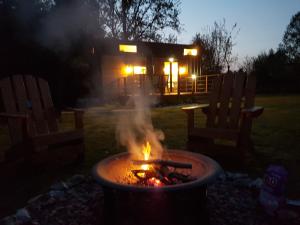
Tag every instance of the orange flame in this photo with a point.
(146, 153)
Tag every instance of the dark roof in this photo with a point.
(111, 47)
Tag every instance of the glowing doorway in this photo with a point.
(171, 76)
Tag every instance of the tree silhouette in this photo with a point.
(33, 39)
(291, 38)
(216, 47)
(139, 19)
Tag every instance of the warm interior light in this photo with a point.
(174, 70)
(171, 59)
(139, 70)
(190, 51)
(167, 68)
(128, 70)
(134, 70)
(194, 76)
(128, 48)
(194, 52)
(182, 70)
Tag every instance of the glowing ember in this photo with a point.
(146, 153)
(141, 174)
(155, 182)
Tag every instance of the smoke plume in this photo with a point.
(135, 128)
(67, 23)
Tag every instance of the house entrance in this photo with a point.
(171, 76)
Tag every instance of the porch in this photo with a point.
(162, 85)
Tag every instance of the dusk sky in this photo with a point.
(262, 22)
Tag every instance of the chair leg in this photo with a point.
(246, 149)
(196, 143)
(81, 155)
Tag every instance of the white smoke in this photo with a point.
(65, 24)
(135, 128)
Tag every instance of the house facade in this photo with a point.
(171, 69)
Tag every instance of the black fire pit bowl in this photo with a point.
(172, 204)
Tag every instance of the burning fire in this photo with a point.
(158, 172)
(146, 152)
(155, 182)
(146, 149)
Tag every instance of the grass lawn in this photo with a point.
(276, 136)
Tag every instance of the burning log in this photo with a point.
(164, 163)
(159, 174)
(144, 174)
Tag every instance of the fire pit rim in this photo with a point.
(206, 179)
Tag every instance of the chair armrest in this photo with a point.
(69, 109)
(14, 116)
(19, 116)
(253, 112)
(194, 107)
(189, 110)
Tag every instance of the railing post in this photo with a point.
(193, 86)
(206, 83)
(178, 84)
(171, 78)
(118, 87)
(186, 85)
(125, 86)
(161, 84)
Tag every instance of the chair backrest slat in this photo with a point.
(225, 95)
(48, 105)
(22, 100)
(230, 93)
(213, 102)
(9, 103)
(250, 91)
(236, 102)
(37, 109)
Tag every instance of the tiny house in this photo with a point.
(171, 69)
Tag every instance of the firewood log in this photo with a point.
(164, 163)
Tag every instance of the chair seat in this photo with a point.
(215, 133)
(57, 138)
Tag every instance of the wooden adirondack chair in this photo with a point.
(33, 124)
(229, 117)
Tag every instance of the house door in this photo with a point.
(171, 76)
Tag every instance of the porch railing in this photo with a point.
(161, 85)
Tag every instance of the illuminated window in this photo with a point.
(139, 70)
(133, 70)
(190, 51)
(128, 48)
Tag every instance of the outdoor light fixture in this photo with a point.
(194, 76)
(182, 70)
(171, 59)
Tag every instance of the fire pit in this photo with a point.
(173, 193)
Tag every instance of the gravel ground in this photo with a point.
(232, 200)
